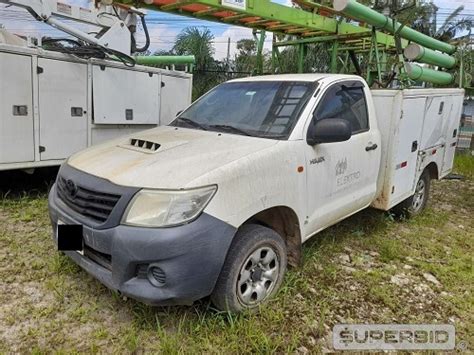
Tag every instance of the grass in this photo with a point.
(464, 164)
(48, 304)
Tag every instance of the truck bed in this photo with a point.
(419, 128)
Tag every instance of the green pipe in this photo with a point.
(416, 72)
(425, 55)
(165, 59)
(352, 8)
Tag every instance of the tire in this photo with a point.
(415, 204)
(253, 270)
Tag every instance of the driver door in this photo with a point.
(342, 176)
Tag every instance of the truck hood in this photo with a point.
(165, 157)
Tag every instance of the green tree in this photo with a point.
(164, 52)
(197, 42)
(246, 57)
(453, 25)
(193, 41)
(316, 59)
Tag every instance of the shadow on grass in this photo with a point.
(366, 223)
(17, 183)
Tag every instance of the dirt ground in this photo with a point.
(367, 269)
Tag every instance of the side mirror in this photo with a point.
(329, 130)
(179, 113)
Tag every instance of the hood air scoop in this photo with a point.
(143, 144)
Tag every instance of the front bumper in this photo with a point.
(191, 256)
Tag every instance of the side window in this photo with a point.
(345, 101)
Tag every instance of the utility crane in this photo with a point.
(117, 22)
(360, 39)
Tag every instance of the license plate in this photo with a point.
(70, 237)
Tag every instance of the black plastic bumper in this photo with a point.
(191, 256)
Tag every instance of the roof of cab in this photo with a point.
(297, 77)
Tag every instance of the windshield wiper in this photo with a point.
(229, 128)
(272, 136)
(192, 123)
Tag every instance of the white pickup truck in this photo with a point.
(219, 201)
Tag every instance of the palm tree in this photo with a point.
(193, 41)
(453, 25)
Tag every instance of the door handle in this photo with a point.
(371, 147)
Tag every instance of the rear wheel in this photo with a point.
(253, 270)
(416, 203)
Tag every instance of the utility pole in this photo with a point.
(228, 55)
(435, 18)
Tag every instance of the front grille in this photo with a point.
(89, 203)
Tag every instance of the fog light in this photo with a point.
(156, 275)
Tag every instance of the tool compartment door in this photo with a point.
(16, 109)
(438, 109)
(175, 96)
(63, 108)
(125, 96)
(404, 164)
(451, 131)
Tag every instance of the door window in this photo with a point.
(345, 101)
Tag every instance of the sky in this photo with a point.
(164, 27)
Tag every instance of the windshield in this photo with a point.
(267, 109)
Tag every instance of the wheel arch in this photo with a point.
(284, 221)
(433, 170)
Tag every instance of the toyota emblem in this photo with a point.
(71, 188)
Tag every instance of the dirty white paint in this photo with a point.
(426, 116)
(47, 132)
(321, 184)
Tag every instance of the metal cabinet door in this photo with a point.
(16, 109)
(62, 108)
(125, 96)
(451, 132)
(175, 96)
(436, 112)
(406, 155)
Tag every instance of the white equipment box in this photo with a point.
(418, 126)
(53, 105)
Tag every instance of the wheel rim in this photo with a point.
(419, 195)
(258, 276)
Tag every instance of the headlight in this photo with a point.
(165, 208)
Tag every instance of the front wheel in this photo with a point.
(416, 203)
(253, 270)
